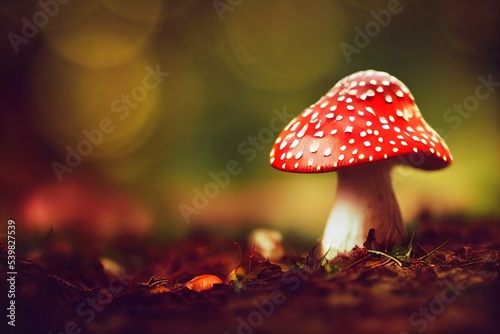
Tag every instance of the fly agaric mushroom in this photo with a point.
(366, 124)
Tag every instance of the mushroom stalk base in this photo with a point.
(364, 200)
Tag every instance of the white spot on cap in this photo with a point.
(370, 93)
(385, 127)
(349, 107)
(373, 81)
(302, 131)
(370, 158)
(395, 149)
(383, 120)
(314, 116)
(362, 83)
(348, 129)
(363, 96)
(355, 151)
(397, 129)
(391, 118)
(348, 100)
(324, 104)
(328, 152)
(415, 138)
(333, 132)
(343, 148)
(333, 108)
(289, 154)
(361, 113)
(341, 157)
(351, 160)
(283, 144)
(370, 110)
(362, 134)
(380, 139)
(352, 118)
(329, 115)
(307, 112)
(283, 166)
(313, 148)
(388, 99)
(310, 161)
(294, 143)
(380, 89)
(272, 159)
(399, 113)
(338, 118)
(353, 92)
(367, 143)
(295, 126)
(378, 148)
(298, 155)
(317, 126)
(351, 141)
(399, 93)
(369, 123)
(392, 142)
(341, 98)
(404, 143)
(296, 165)
(319, 134)
(283, 155)
(385, 82)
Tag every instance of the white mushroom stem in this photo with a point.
(364, 200)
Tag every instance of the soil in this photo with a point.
(67, 287)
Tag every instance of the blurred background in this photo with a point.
(133, 118)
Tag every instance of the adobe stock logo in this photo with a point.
(121, 108)
(426, 314)
(248, 148)
(221, 7)
(48, 9)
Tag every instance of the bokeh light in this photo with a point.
(183, 88)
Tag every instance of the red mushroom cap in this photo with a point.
(366, 117)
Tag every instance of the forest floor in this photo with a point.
(70, 288)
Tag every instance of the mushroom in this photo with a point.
(365, 125)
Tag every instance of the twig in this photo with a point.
(386, 255)
(356, 262)
(434, 250)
